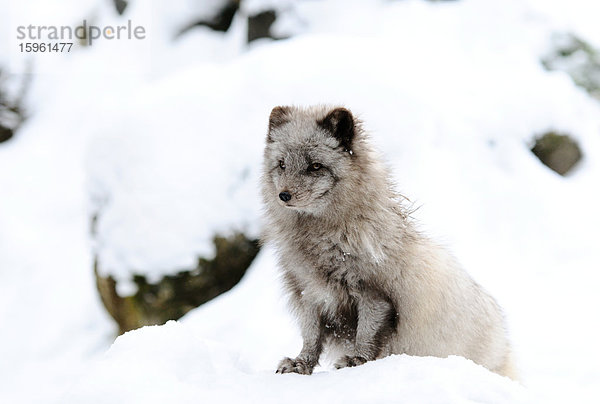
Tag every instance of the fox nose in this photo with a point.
(285, 196)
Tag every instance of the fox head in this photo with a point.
(309, 157)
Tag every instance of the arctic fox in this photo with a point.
(362, 281)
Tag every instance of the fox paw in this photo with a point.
(297, 365)
(349, 361)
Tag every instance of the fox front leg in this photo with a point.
(312, 345)
(376, 321)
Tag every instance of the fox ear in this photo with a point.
(340, 123)
(279, 116)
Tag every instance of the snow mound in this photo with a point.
(211, 357)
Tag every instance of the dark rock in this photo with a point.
(11, 112)
(259, 25)
(5, 133)
(221, 21)
(10, 118)
(120, 6)
(175, 295)
(557, 151)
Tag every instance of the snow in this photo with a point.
(209, 358)
(163, 138)
(210, 372)
(577, 16)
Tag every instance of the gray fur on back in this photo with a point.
(362, 281)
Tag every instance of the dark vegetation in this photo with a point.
(578, 59)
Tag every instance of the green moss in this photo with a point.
(578, 59)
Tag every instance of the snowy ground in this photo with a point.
(209, 358)
(164, 142)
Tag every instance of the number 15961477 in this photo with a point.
(45, 47)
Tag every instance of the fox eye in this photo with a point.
(314, 167)
(281, 164)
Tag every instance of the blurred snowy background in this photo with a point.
(129, 176)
